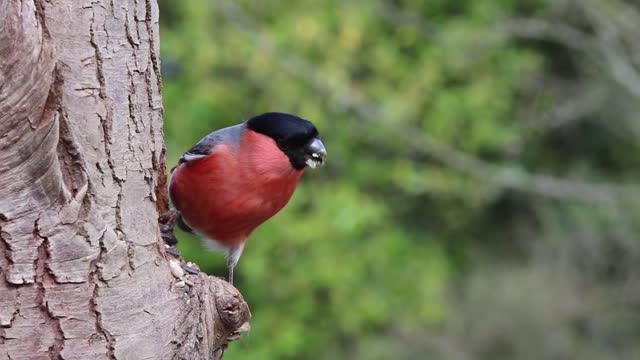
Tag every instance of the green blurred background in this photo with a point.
(480, 199)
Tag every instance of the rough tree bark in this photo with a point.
(83, 271)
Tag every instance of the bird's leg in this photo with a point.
(233, 255)
(230, 266)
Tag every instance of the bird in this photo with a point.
(236, 178)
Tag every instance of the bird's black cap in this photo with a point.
(290, 132)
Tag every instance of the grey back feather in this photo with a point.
(230, 135)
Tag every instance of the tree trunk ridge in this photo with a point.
(83, 270)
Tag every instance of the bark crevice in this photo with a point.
(101, 332)
(44, 279)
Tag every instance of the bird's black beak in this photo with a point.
(315, 152)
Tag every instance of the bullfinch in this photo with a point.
(236, 178)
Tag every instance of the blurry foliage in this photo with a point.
(400, 248)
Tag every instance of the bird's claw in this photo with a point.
(168, 235)
(167, 222)
(178, 268)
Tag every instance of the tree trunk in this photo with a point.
(83, 270)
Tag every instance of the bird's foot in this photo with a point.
(168, 235)
(170, 242)
(178, 268)
(167, 222)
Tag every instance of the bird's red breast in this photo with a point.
(234, 189)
